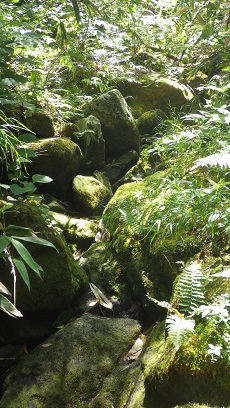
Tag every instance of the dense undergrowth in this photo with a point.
(57, 56)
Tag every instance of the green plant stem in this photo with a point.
(13, 272)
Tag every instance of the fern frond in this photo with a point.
(221, 159)
(178, 329)
(190, 288)
(132, 219)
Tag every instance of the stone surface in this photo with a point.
(62, 276)
(69, 368)
(58, 158)
(117, 123)
(41, 124)
(149, 121)
(116, 170)
(76, 231)
(89, 195)
(154, 92)
(91, 143)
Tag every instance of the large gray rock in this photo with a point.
(89, 195)
(58, 158)
(68, 370)
(117, 123)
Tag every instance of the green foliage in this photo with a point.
(18, 256)
(179, 329)
(197, 159)
(14, 157)
(189, 296)
(190, 289)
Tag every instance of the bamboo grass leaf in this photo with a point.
(8, 307)
(3, 289)
(21, 267)
(26, 256)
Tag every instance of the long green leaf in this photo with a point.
(12, 229)
(3, 289)
(21, 267)
(25, 255)
(36, 240)
(4, 242)
(8, 307)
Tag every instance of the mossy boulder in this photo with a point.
(62, 277)
(69, 369)
(103, 266)
(115, 170)
(149, 162)
(91, 142)
(89, 195)
(117, 124)
(86, 132)
(41, 124)
(148, 122)
(149, 267)
(184, 376)
(58, 158)
(78, 232)
(152, 91)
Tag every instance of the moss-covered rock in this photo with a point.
(58, 158)
(68, 370)
(91, 142)
(89, 195)
(62, 276)
(152, 91)
(149, 267)
(103, 266)
(197, 371)
(79, 232)
(86, 132)
(41, 124)
(118, 126)
(148, 121)
(148, 163)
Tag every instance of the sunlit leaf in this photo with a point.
(21, 267)
(3, 289)
(27, 188)
(26, 137)
(99, 295)
(26, 256)
(40, 178)
(8, 307)
(36, 240)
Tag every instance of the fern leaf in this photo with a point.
(190, 288)
(132, 219)
(221, 159)
(178, 329)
